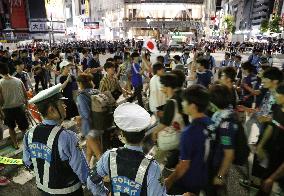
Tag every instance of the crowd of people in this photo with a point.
(206, 117)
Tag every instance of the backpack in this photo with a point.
(101, 109)
(242, 149)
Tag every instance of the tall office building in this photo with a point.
(261, 11)
(184, 19)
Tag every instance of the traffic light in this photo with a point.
(273, 16)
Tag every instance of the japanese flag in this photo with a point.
(150, 45)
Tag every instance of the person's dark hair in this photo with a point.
(84, 51)
(126, 54)
(203, 62)
(70, 58)
(177, 57)
(229, 72)
(85, 80)
(273, 73)
(180, 77)
(160, 59)
(116, 57)
(157, 66)
(239, 57)
(135, 54)
(108, 65)
(263, 60)
(199, 55)
(95, 53)
(68, 51)
(248, 66)
(169, 80)
(51, 56)
(43, 108)
(4, 68)
(14, 55)
(110, 60)
(221, 96)
(186, 51)
(133, 138)
(208, 50)
(24, 51)
(36, 53)
(198, 95)
(147, 55)
(228, 54)
(38, 50)
(280, 88)
(18, 62)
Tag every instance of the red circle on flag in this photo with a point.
(150, 45)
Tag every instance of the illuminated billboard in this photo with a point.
(18, 14)
(55, 8)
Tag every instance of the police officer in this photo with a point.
(131, 171)
(227, 61)
(51, 151)
(185, 57)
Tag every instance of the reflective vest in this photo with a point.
(128, 172)
(53, 175)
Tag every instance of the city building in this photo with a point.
(13, 20)
(248, 15)
(47, 19)
(180, 20)
(62, 19)
(110, 16)
(262, 9)
(183, 20)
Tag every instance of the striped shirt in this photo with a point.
(109, 84)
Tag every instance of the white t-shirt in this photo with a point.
(13, 92)
(157, 97)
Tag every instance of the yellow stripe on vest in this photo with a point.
(10, 161)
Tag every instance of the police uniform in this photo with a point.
(131, 171)
(226, 63)
(53, 153)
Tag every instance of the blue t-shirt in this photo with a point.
(226, 139)
(136, 77)
(204, 78)
(192, 147)
(252, 81)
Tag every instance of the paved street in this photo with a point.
(23, 182)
